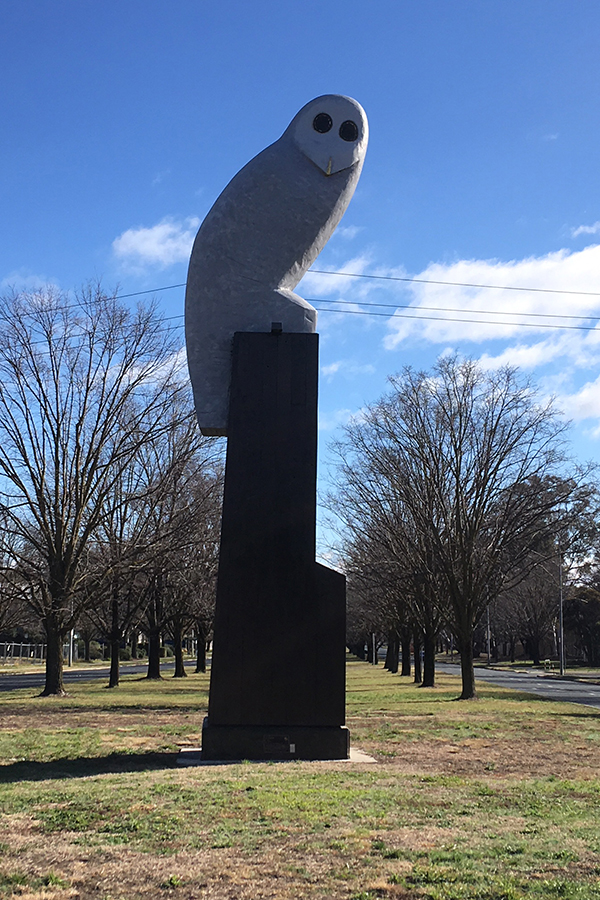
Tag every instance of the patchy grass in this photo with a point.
(497, 799)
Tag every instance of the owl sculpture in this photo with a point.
(261, 236)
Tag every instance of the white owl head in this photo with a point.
(332, 131)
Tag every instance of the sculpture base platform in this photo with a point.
(263, 742)
(192, 756)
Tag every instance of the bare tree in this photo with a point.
(582, 618)
(12, 588)
(179, 515)
(152, 514)
(466, 456)
(84, 383)
(194, 561)
(196, 574)
(389, 589)
(371, 604)
(533, 605)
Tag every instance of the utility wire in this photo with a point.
(496, 287)
(360, 312)
(404, 315)
(538, 325)
(397, 306)
(482, 312)
(409, 280)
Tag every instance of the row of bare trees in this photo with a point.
(109, 496)
(455, 490)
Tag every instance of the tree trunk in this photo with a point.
(178, 647)
(86, 647)
(153, 655)
(393, 651)
(417, 655)
(54, 659)
(467, 670)
(113, 678)
(535, 651)
(115, 643)
(358, 650)
(134, 645)
(405, 642)
(429, 661)
(371, 657)
(201, 648)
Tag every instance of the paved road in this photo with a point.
(542, 686)
(10, 682)
(539, 685)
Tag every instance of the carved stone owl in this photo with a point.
(261, 236)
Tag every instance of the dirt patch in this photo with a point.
(472, 757)
(93, 873)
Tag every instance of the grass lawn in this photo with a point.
(497, 799)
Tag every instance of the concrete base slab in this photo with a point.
(192, 756)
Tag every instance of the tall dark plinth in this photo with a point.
(278, 668)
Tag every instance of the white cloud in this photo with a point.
(586, 229)
(348, 232)
(346, 367)
(580, 350)
(331, 369)
(523, 356)
(468, 309)
(330, 421)
(583, 403)
(160, 177)
(315, 284)
(20, 280)
(162, 245)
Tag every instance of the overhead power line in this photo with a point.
(360, 312)
(538, 325)
(495, 287)
(418, 310)
(454, 309)
(409, 280)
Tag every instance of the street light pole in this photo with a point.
(561, 624)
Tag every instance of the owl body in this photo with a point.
(258, 240)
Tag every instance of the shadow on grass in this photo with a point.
(83, 767)
(131, 709)
(582, 715)
(432, 698)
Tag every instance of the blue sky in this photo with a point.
(121, 122)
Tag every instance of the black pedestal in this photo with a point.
(278, 668)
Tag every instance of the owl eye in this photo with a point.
(322, 123)
(349, 131)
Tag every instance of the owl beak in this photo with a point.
(329, 164)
